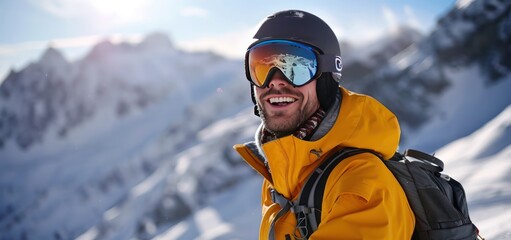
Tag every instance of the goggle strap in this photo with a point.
(329, 63)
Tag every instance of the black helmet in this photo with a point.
(304, 27)
(300, 26)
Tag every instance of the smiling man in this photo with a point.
(294, 68)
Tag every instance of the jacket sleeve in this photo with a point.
(364, 201)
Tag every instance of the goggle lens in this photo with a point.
(296, 61)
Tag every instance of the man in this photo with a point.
(294, 67)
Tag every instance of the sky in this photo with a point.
(28, 27)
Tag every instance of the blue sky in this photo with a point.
(225, 26)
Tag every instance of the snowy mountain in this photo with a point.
(55, 94)
(471, 50)
(79, 137)
(470, 45)
(134, 140)
(378, 51)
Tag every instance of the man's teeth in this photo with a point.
(281, 100)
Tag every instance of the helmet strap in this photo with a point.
(252, 95)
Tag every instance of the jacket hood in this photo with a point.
(363, 122)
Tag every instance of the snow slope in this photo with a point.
(481, 162)
(465, 106)
(97, 166)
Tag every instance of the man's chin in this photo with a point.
(281, 128)
(280, 122)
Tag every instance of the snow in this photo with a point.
(386, 44)
(109, 168)
(481, 163)
(468, 103)
(239, 219)
(463, 3)
(496, 134)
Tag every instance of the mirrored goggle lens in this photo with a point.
(296, 61)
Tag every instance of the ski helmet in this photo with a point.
(304, 27)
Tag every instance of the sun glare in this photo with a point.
(118, 10)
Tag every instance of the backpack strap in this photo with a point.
(435, 164)
(284, 204)
(308, 207)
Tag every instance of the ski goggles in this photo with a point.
(299, 63)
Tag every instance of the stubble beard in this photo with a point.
(279, 126)
(281, 123)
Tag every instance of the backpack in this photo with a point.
(437, 200)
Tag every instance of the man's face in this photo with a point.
(283, 107)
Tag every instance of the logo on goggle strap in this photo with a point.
(338, 63)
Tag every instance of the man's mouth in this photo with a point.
(281, 101)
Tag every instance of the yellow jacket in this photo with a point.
(362, 199)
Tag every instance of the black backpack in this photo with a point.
(437, 200)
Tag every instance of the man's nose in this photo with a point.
(278, 80)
